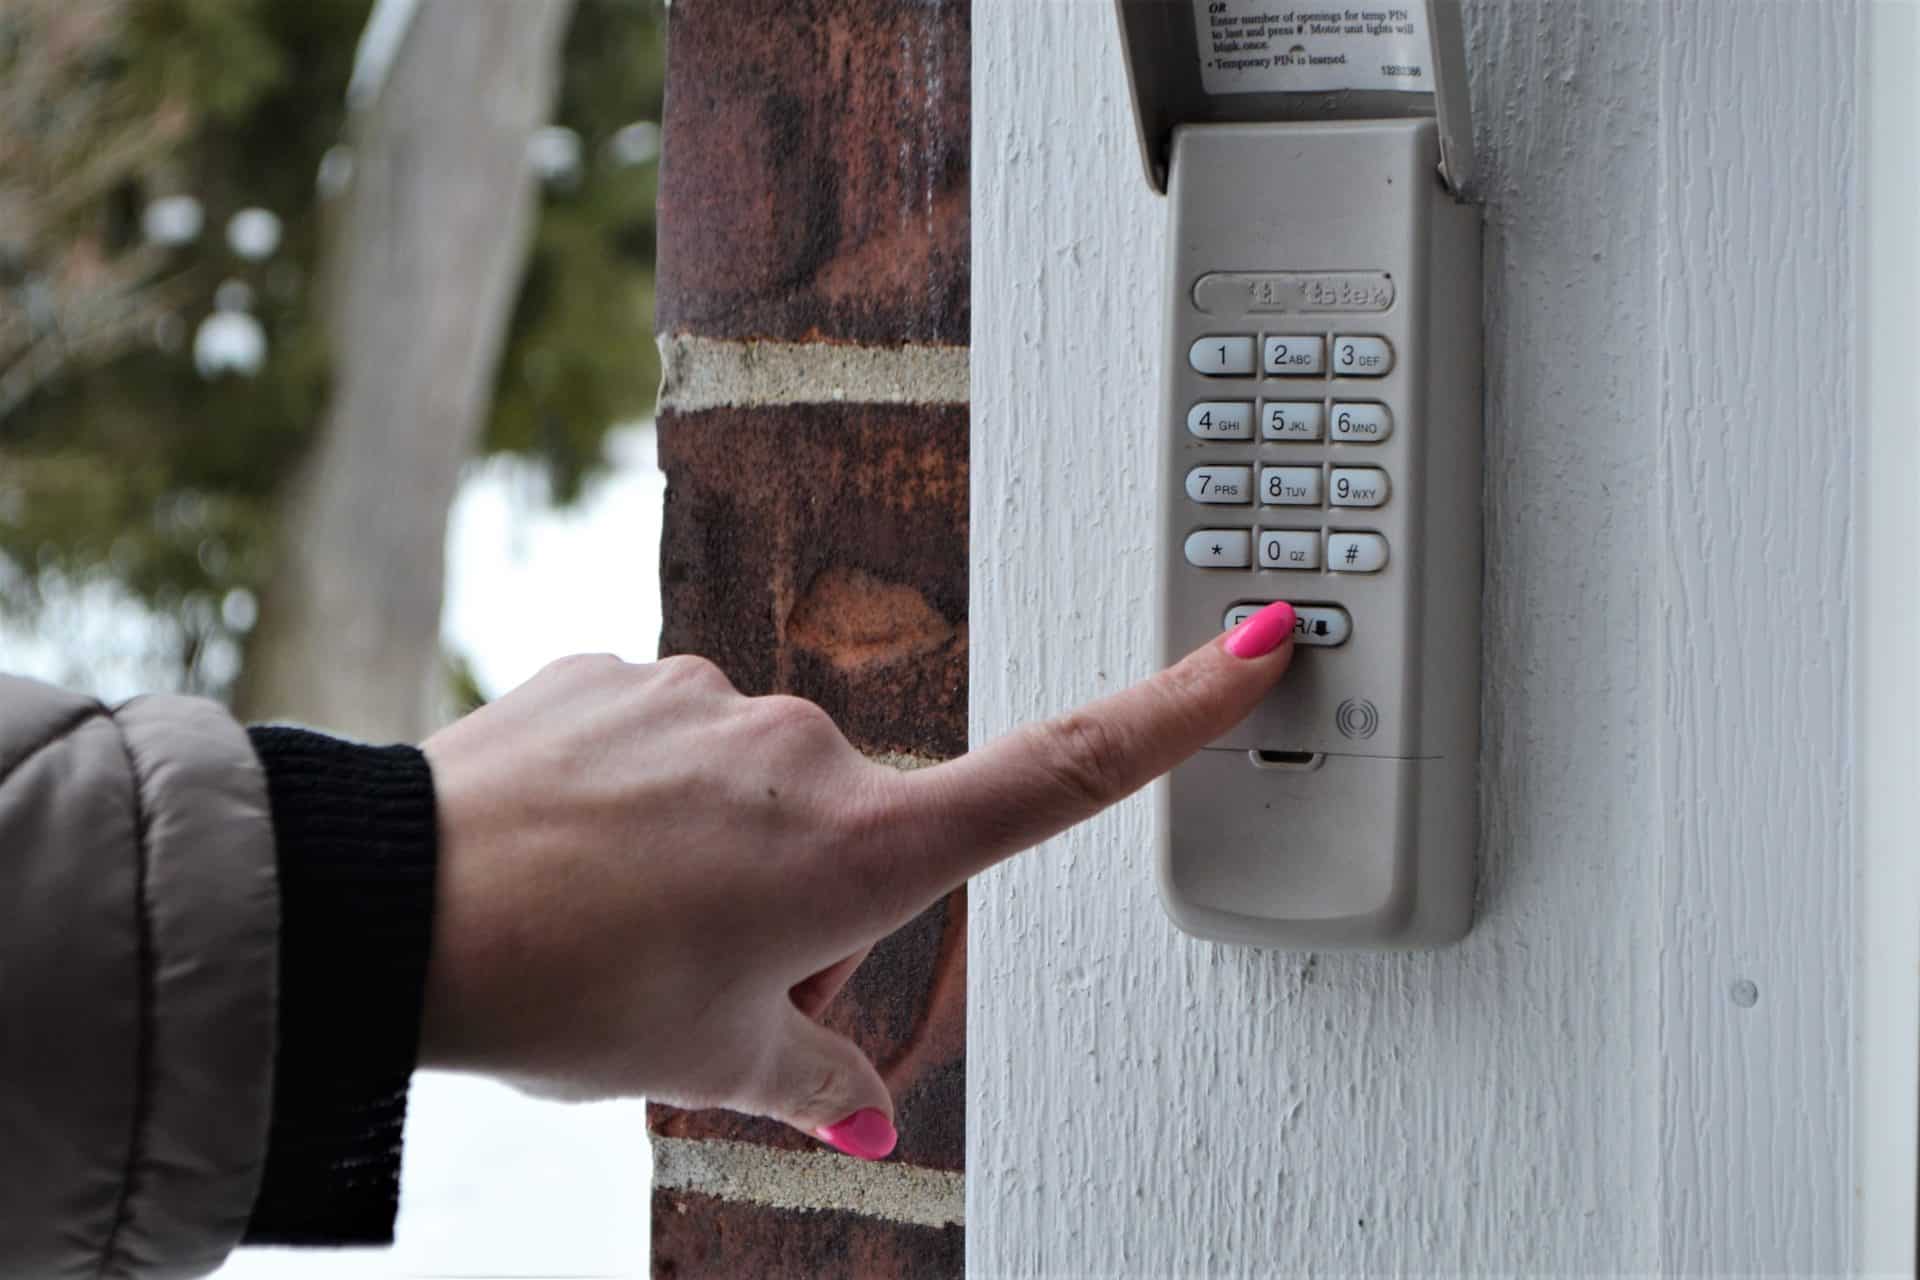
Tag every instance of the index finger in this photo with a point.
(1037, 781)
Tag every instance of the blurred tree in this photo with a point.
(119, 460)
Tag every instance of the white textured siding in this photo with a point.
(1668, 733)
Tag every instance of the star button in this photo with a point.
(1216, 549)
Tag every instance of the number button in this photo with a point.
(1220, 548)
(1362, 423)
(1358, 486)
(1291, 420)
(1295, 357)
(1220, 484)
(1362, 357)
(1289, 549)
(1356, 552)
(1222, 357)
(1290, 486)
(1221, 420)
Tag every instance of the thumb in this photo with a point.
(823, 1085)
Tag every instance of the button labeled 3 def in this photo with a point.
(1362, 357)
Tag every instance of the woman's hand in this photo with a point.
(650, 884)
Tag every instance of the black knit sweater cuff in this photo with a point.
(355, 832)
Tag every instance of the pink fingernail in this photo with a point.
(867, 1134)
(1263, 632)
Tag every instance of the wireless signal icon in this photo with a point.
(1357, 718)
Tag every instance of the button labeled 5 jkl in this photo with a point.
(1291, 420)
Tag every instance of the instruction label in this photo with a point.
(1255, 46)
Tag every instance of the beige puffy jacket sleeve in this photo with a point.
(139, 927)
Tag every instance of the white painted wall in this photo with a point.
(1669, 725)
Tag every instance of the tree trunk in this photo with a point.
(423, 276)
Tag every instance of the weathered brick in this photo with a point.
(696, 1236)
(821, 550)
(814, 179)
(906, 1008)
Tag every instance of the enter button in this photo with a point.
(1320, 625)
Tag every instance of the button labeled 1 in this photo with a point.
(1222, 357)
(1318, 625)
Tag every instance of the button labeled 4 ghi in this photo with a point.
(1221, 420)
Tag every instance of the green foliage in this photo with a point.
(581, 355)
(134, 467)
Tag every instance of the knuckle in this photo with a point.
(693, 671)
(1086, 757)
(784, 713)
(585, 664)
(826, 1088)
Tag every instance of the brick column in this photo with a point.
(813, 313)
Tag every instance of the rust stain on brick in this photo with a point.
(697, 1236)
(814, 178)
(854, 620)
(768, 505)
